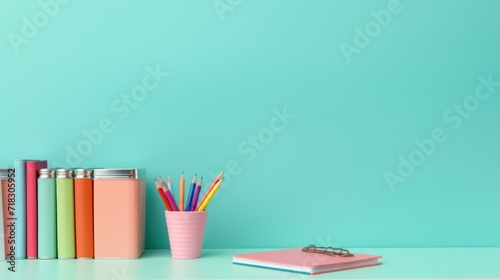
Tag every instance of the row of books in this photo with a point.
(18, 199)
(71, 213)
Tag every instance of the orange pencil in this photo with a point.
(181, 193)
(217, 179)
(162, 195)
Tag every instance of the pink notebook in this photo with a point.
(310, 263)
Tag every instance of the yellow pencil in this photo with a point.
(210, 195)
(212, 185)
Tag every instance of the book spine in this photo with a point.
(31, 233)
(3, 218)
(32, 168)
(20, 209)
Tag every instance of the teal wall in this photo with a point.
(333, 128)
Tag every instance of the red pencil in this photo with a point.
(163, 185)
(169, 195)
(162, 194)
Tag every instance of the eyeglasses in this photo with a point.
(327, 251)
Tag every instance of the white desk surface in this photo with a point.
(400, 263)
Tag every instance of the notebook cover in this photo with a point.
(296, 257)
(32, 168)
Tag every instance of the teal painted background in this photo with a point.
(356, 103)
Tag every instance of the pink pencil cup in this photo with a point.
(186, 231)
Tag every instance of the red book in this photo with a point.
(310, 263)
(32, 168)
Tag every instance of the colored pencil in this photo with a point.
(163, 197)
(169, 185)
(169, 196)
(162, 184)
(194, 200)
(210, 196)
(191, 194)
(217, 179)
(181, 193)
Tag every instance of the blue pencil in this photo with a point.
(194, 199)
(191, 194)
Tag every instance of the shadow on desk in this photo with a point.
(162, 253)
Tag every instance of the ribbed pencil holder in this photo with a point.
(186, 231)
